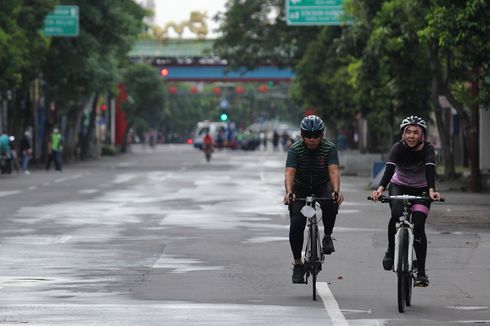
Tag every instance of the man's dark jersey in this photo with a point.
(311, 165)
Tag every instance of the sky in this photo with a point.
(179, 10)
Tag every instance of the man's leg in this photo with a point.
(329, 212)
(48, 163)
(57, 160)
(296, 235)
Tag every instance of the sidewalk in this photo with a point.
(461, 207)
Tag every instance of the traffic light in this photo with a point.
(223, 117)
(103, 107)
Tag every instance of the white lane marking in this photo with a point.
(73, 177)
(87, 191)
(349, 211)
(9, 193)
(468, 307)
(331, 305)
(162, 313)
(265, 239)
(123, 178)
(182, 265)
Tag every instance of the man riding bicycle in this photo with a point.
(312, 167)
(410, 170)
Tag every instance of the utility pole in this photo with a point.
(475, 180)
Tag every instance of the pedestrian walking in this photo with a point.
(275, 141)
(26, 151)
(55, 148)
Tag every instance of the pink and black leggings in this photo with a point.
(419, 215)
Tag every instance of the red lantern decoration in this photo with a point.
(194, 90)
(217, 91)
(263, 88)
(310, 111)
(239, 89)
(172, 89)
(164, 72)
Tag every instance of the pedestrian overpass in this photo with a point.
(194, 60)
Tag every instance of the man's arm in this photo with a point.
(334, 174)
(288, 183)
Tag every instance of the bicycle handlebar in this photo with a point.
(315, 198)
(410, 198)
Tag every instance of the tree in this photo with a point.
(79, 69)
(323, 79)
(392, 77)
(22, 52)
(147, 106)
(458, 35)
(22, 46)
(255, 33)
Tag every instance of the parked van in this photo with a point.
(203, 127)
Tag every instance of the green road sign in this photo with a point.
(62, 22)
(315, 12)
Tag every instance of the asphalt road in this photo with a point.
(160, 237)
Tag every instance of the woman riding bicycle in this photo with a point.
(410, 169)
(312, 167)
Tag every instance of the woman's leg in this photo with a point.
(396, 212)
(420, 239)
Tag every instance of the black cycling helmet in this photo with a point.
(413, 120)
(312, 123)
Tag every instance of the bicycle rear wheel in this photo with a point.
(314, 258)
(402, 273)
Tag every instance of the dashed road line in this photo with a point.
(331, 305)
(9, 193)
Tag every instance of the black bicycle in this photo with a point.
(404, 265)
(313, 255)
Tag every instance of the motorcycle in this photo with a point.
(6, 163)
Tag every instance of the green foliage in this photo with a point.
(90, 63)
(390, 73)
(22, 46)
(462, 29)
(323, 78)
(255, 32)
(146, 96)
(108, 150)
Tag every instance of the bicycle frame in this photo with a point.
(313, 215)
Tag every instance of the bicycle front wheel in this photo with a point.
(314, 258)
(402, 273)
(408, 294)
(402, 290)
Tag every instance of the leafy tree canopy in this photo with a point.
(22, 45)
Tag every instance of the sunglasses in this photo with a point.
(312, 134)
